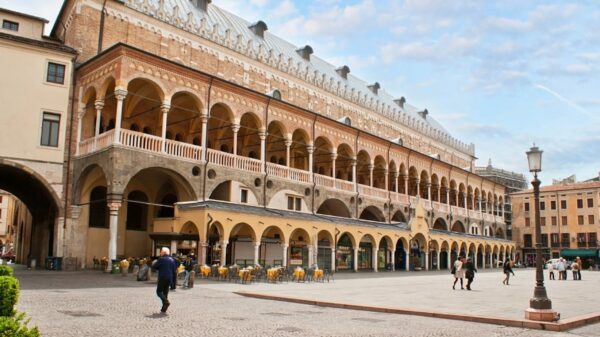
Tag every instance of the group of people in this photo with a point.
(465, 268)
(562, 266)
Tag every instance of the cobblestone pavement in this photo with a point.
(95, 304)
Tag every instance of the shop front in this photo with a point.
(344, 254)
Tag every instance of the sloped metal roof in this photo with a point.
(226, 29)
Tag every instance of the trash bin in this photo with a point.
(49, 263)
(115, 267)
(57, 263)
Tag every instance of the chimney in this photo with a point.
(201, 4)
(305, 52)
(400, 102)
(374, 87)
(343, 71)
(424, 113)
(259, 28)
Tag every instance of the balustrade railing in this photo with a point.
(459, 211)
(499, 219)
(289, 173)
(401, 198)
(473, 214)
(96, 143)
(488, 217)
(183, 150)
(141, 141)
(372, 191)
(230, 160)
(440, 207)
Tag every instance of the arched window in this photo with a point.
(134, 127)
(167, 209)
(137, 211)
(98, 216)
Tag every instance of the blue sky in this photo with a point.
(500, 74)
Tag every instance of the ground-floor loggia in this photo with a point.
(230, 234)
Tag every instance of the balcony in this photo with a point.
(288, 173)
(398, 197)
(440, 207)
(332, 183)
(459, 211)
(372, 191)
(488, 217)
(475, 215)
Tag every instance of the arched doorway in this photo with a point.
(345, 253)
(400, 255)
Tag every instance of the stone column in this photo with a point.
(173, 247)
(353, 163)
(284, 248)
(449, 258)
(120, 95)
(465, 201)
(371, 167)
(437, 258)
(426, 260)
(393, 255)
(491, 260)
(355, 260)
(99, 105)
(332, 259)
(407, 258)
(164, 108)
(113, 207)
(203, 253)
(418, 183)
(429, 191)
(262, 134)
(405, 185)
(224, 244)
(439, 193)
(235, 128)
(204, 119)
(310, 149)
(288, 144)
(396, 178)
(387, 181)
(374, 259)
(80, 115)
(256, 252)
(333, 158)
(473, 202)
(311, 260)
(456, 193)
(448, 197)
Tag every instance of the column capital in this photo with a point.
(288, 142)
(99, 104)
(353, 161)
(164, 108)
(310, 148)
(333, 155)
(120, 94)
(396, 174)
(262, 134)
(114, 205)
(284, 245)
(236, 127)
(81, 112)
(371, 167)
(256, 243)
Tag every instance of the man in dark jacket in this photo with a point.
(166, 269)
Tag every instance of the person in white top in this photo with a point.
(459, 273)
(551, 271)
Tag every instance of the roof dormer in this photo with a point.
(424, 113)
(400, 101)
(259, 28)
(201, 4)
(343, 71)
(374, 87)
(305, 52)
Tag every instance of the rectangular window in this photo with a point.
(590, 219)
(243, 196)
(563, 204)
(294, 203)
(527, 240)
(579, 203)
(56, 73)
(527, 222)
(553, 204)
(526, 207)
(581, 240)
(592, 240)
(554, 221)
(563, 220)
(10, 25)
(50, 127)
(580, 220)
(543, 221)
(554, 240)
(544, 240)
(564, 240)
(590, 203)
(542, 206)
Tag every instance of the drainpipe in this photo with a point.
(265, 156)
(101, 28)
(314, 187)
(67, 180)
(206, 137)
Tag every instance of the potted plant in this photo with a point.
(124, 266)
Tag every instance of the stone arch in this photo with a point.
(219, 130)
(137, 210)
(372, 213)
(500, 233)
(299, 150)
(363, 161)
(142, 106)
(230, 190)
(459, 227)
(424, 180)
(440, 224)
(276, 143)
(322, 162)
(334, 207)
(380, 171)
(345, 245)
(399, 217)
(343, 162)
(184, 116)
(413, 179)
(248, 136)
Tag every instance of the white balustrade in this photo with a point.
(475, 214)
(86, 146)
(372, 191)
(289, 173)
(182, 150)
(440, 207)
(233, 161)
(333, 183)
(399, 197)
(488, 217)
(142, 141)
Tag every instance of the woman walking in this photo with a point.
(470, 272)
(507, 271)
(459, 273)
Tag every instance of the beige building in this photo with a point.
(569, 218)
(15, 225)
(36, 81)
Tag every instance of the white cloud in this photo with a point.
(447, 47)
(284, 9)
(508, 25)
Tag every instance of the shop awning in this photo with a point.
(579, 252)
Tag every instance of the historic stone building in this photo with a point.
(569, 221)
(36, 81)
(197, 130)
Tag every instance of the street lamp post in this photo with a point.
(540, 306)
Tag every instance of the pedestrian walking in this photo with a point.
(562, 269)
(551, 271)
(166, 267)
(507, 269)
(470, 272)
(580, 264)
(575, 268)
(459, 273)
(188, 264)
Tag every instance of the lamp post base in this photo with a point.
(544, 315)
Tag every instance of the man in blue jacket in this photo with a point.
(166, 267)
